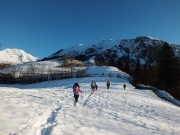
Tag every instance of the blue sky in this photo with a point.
(42, 27)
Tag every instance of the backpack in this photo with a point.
(93, 85)
(76, 88)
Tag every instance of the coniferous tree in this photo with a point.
(137, 73)
(168, 67)
(111, 62)
(126, 68)
(145, 75)
(119, 64)
(138, 67)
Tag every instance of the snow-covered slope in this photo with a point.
(47, 109)
(15, 56)
(106, 71)
(144, 48)
(44, 67)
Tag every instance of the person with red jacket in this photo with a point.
(76, 91)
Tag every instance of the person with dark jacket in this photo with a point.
(124, 86)
(94, 87)
(76, 90)
(108, 84)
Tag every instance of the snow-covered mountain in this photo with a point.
(48, 107)
(15, 56)
(144, 48)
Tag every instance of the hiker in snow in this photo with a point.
(76, 90)
(93, 87)
(108, 84)
(124, 86)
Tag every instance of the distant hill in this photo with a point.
(143, 48)
(15, 56)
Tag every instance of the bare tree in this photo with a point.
(31, 72)
(19, 71)
(81, 73)
(41, 70)
(50, 71)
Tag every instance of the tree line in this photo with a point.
(164, 74)
(39, 73)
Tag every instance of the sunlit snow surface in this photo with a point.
(47, 109)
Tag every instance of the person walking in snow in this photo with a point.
(124, 86)
(108, 84)
(94, 87)
(76, 90)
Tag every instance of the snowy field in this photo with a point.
(47, 109)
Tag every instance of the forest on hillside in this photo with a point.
(164, 74)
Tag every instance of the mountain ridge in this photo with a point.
(144, 48)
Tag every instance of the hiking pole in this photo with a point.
(81, 96)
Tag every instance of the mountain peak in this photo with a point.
(146, 38)
(15, 56)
